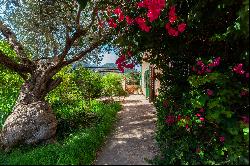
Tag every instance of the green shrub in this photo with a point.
(67, 92)
(112, 85)
(88, 82)
(10, 84)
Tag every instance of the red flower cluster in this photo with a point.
(238, 69)
(202, 110)
(129, 20)
(142, 24)
(172, 15)
(119, 13)
(210, 92)
(202, 68)
(112, 23)
(245, 119)
(222, 139)
(154, 8)
(200, 117)
(170, 120)
(244, 93)
(121, 63)
(172, 18)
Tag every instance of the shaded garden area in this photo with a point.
(200, 47)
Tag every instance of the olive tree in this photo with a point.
(46, 36)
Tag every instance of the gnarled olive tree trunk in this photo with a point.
(32, 120)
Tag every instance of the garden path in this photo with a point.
(133, 138)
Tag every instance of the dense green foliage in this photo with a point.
(81, 128)
(203, 104)
(112, 85)
(206, 128)
(89, 83)
(9, 83)
(80, 131)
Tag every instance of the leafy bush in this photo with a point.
(112, 85)
(68, 91)
(203, 104)
(88, 82)
(10, 84)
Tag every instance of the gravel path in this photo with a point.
(133, 138)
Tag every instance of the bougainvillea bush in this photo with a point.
(202, 49)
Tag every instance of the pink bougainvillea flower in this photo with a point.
(198, 115)
(200, 63)
(247, 75)
(121, 59)
(153, 14)
(129, 20)
(173, 32)
(140, 4)
(142, 24)
(181, 27)
(121, 18)
(201, 110)
(245, 119)
(129, 66)
(244, 93)
(112, 23)
(202, 119)
(119, 13)
(186, 126)
(216, 61)
(208, 70)
(172, 15)
(209, 92)
(179, 117)
(120, 67)
(170, 120)
(238, 69)
(129, 53)
(167, 26)
(154, 8)
(222, 138)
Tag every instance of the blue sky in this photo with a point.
(112, 57)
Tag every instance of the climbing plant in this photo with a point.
(202, 49)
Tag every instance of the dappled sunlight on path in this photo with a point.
(133, 139)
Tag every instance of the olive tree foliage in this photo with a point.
(58, 31)
(45, 27)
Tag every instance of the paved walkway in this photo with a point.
(133, 138)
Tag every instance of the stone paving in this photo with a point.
(132, 140)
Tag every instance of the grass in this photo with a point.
(79, 148)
